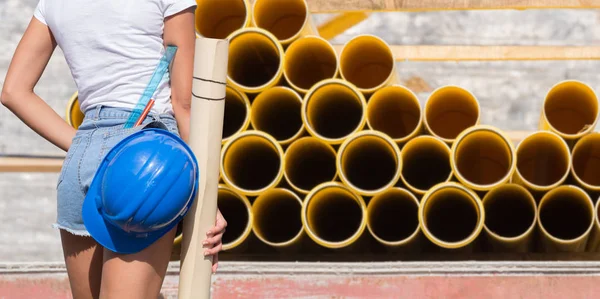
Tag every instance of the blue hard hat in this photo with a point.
(143, 187)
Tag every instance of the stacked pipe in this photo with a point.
(331, 150)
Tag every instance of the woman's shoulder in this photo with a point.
(63, 12)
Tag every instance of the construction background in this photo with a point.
(510, 93)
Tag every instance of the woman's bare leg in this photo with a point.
(83, 258)
(138, 275)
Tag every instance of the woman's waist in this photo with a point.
(101, 115)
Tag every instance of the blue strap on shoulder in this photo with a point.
(158, 75)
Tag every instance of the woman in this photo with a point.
(112, 48)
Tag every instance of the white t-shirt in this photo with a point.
(112, 47)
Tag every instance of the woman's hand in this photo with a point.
(27, 65)
(214, 238)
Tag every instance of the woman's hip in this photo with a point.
(101, 129)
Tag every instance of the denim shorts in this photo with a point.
(101, 129)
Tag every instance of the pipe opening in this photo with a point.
(586, 160)
(218, 19)
(254, 58)
(483, 157)
(237, 213)
(367, 62)
(334, 111)
(284, 18)
(236, 112)
(251, 162)
(509, 211)
(334, 214)
(277, 111)
(570, 107)
(369, 162)
(451, 215)
(543, 159)
(394, 110)
(566, 213)
(450, 110)
(393, 215)
(277, 216)
(310, 60)
(425, 163)
(308, 163)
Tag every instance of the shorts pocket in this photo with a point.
(113, 136)
(75, 142)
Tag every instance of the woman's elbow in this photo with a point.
(184, 106)
(6, 97)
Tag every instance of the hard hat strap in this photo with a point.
(157, 77)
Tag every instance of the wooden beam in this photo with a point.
(491, 53)
(333, 6)
(53, 165)
(30, 164)
(340, 23)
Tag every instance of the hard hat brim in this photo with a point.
(107, 234)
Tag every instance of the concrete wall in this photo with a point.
(510, 93)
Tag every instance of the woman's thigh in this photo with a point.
(83, 260)
(138, 275)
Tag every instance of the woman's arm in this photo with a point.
(27, 65)
(180, 31)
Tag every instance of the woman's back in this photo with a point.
(112, 47)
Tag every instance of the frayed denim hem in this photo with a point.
(81, 233)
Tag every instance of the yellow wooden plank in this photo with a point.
(340, 23)
(30, 164)
(332, 6)
(463, 53)
(49, 165)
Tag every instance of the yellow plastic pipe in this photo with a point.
(510, 218)
(237, 210)
(286, 19)
(594, 240)
(585, 167)
(483, 157)
(369, 162)
(333, 109)
(255, 60)
(368, 62)
(218, 19)
(237, 113)
(252, 162)
(565, 219)
(543, 162)
(308, 61)
(425, 163)
(74, 116)
(392, 218)
(450, 110)
(277, 220)
(570, 109)
(309, 162)
(395, 110)
(451, 216)
(333, 215)
(276, 111)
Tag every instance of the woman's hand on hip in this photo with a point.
(26, 67)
